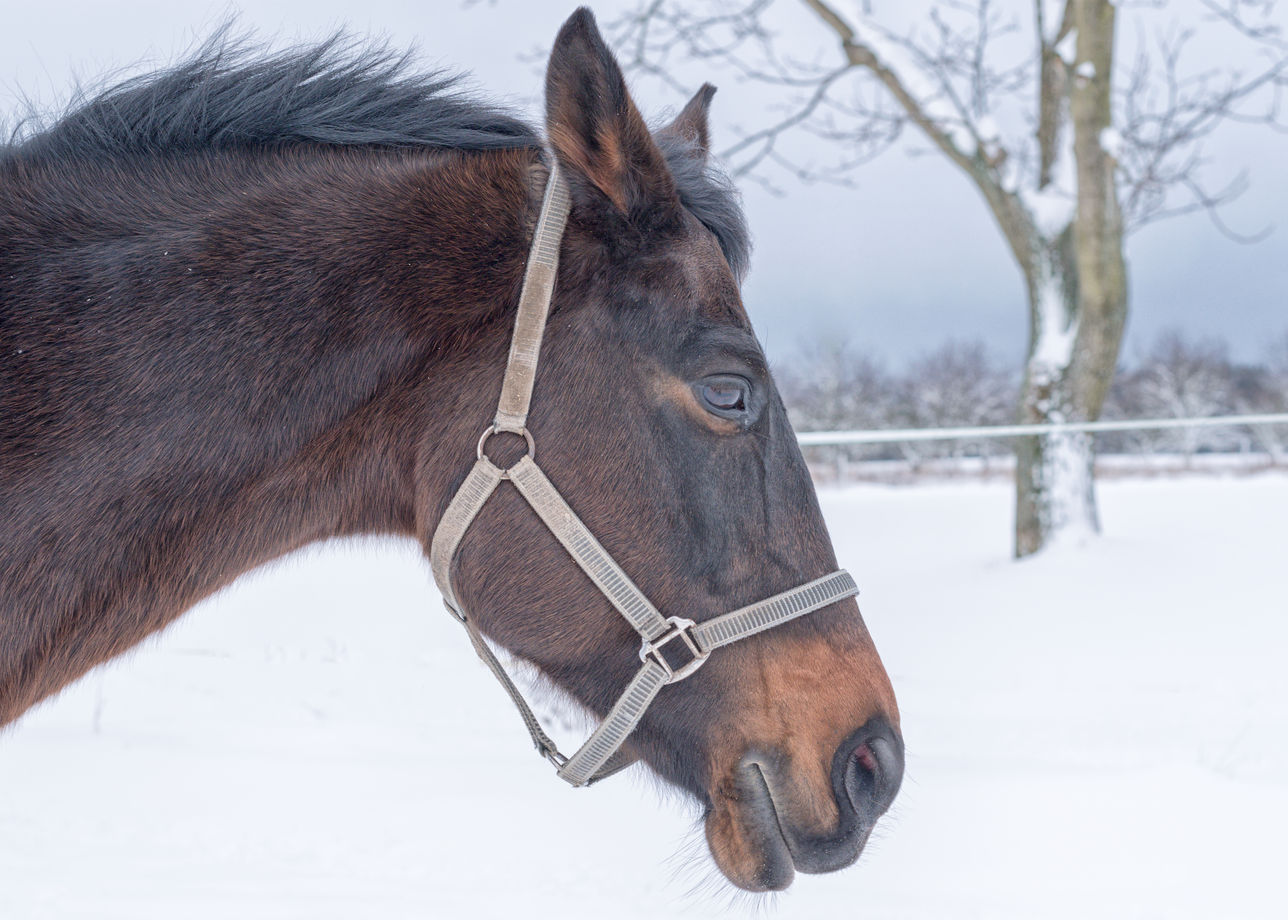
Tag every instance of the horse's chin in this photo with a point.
(746, 837)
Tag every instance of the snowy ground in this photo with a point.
(1099, 732)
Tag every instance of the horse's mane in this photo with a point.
(232, 94)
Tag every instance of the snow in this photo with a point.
(1068, 47)
(990, 136)
(1111, 142)
(1066, 476)
(1056, 334)
(1086, 70)
(1053, 208)
(1096, 730)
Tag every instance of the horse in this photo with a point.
(258, 300)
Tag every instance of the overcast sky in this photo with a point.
(906, 258)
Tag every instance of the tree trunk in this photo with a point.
(1068, 245)
(1077, 288)
(1054, 474)
(1071, 361)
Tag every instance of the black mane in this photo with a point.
(230, 94)
(233, 95)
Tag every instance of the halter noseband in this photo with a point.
(601, 754)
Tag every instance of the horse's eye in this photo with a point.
(726, 396)
(723, 396)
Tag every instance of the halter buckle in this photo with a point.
(553, 755)
(680, 629)
(457, 613)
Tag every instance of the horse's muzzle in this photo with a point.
(777, 821)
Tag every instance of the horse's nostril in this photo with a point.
(870, 768)
(867, 760)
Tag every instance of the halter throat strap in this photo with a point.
(661, 637)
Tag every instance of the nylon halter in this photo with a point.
(601, 755)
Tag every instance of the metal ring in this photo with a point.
(492, 429)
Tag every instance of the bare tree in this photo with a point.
(1071, 145)
(1269, 393)
(1180, 378)
(956, 384)
(832, 383)
(829, 384)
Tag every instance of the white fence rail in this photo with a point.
(897, 435)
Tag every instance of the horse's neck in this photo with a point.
(272, 377)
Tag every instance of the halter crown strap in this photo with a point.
(534, 305)
(601, 755)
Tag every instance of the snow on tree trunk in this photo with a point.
(1055, 485)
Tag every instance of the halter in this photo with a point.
(601, 754)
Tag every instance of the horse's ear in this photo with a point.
(690, 126)
(596, 132)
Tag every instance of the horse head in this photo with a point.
(655, 414)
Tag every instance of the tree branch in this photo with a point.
(1166, 115)
(1012, 217)
(945, 78)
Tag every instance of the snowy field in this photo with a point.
(1100, 732)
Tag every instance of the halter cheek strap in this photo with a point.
(601, 755)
